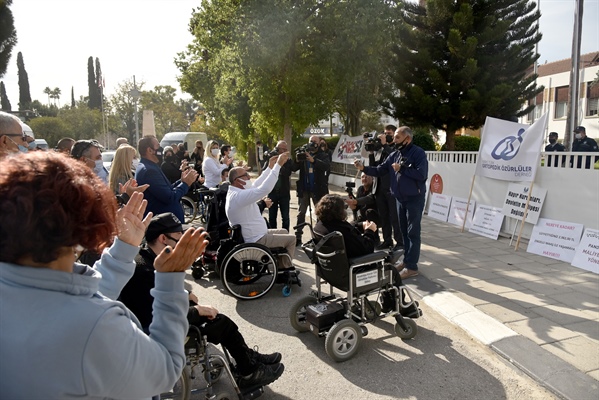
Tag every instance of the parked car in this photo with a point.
(41, 144)
(107, 158)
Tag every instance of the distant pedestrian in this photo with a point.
(553, 145)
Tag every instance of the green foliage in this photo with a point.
(24, 93)
(168, 116)
(52, 129)
(458, 62)
(122, 106)
(464, 143)
(424, 139)
(8, 35)
(4, 102)
(94, 99)
(44, 110)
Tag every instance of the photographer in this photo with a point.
(363, 204)
(408, 169)
(314, 166)
(281, 193)
(377, 150)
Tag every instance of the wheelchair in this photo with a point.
(342, 320)
(198, 354)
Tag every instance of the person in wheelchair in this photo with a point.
(254, 369)
(241, 208)
(359, 239)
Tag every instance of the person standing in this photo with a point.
(314, 166)
(408, 167)
(583, 143)
(122, 167)
(553, 146)
(211, 166)
(89, 152)
(162, 196)
(11, 134)
(197, 156)
(281, 193)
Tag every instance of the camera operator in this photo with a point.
(377, 150)
(314, 166)
(408, 168)
(363, 205)
(281, 193)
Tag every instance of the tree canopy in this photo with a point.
(24, 92)
(8, 35)
(457, 62)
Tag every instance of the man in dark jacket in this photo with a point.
(553, 146)
(312, 182)
(281, 194)
(408, 167)
(583, 143)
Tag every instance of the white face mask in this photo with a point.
(99, 169)
(135, 163)
(247, 184)
(214, 152)
(578, 136)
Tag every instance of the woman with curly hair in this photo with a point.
(60, 319)
(121, 169)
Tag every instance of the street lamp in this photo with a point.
(135, 95)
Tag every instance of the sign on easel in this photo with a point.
(515, 202)
(458, 210)
(487, 221)
(587, 252)
(439, 207)
(555, 239)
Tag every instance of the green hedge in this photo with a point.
(464, 143)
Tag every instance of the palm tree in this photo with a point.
(56, 95)
(48, 91)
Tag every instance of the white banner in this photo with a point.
(458, 210)
(487, 221)
(510, 151)
(587, 252)
(348, 149)
(555, 239)
(439, 208)
(515, 202)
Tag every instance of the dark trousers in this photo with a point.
(304, 202)
(222, 330)
(279, 201)
(410, 217)
(392, 206)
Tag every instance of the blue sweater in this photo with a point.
(64, 336)
(410, 181)
(162, 196)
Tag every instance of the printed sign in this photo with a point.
(439, 207)
(348, 149)
(515, 202)
(458, 210)
(587, 252)
(487, 221)
(436, 185)
(366, 278)
(555, 239)
(510, 151)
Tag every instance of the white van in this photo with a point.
(188, 138)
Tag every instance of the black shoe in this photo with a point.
(412, 311)
(388, 302)
(264, 375)
(398, 247)
(384, 246)
(268, 359)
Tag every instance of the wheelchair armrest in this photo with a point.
(368, 258)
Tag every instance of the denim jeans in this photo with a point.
(410, 216)
(279, 201)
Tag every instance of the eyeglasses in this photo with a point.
(171, 238)
(21, 135)
(241, 176)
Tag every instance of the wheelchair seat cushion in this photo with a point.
(368, 258)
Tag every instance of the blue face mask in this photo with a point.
(23, 149)
(32, 145)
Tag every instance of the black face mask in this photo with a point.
(169, 158)
(158, 153)
(552, 141)
(401, 146)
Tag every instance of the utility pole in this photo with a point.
(573, 96)
(135, 95)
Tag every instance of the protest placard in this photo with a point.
(555, 239)
(487, 221)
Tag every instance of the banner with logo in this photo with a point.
(348, 149)
(510, 151)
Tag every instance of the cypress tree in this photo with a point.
(4, 102)
(72, 97)
(93, 99)
(24, 94)
(8, 35)
(99, 83)
(458, 62)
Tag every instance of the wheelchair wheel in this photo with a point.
(249, 271)
(182, 388)
(297, 314)
(189, 209)
(216, 371)
(343, 340)
(410, 332)
(225, 396)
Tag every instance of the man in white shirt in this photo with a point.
(241, 208)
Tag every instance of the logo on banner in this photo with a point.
(509, 146)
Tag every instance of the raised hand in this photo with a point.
(282, 159)
(188, 249)
(130, 223)
(189, 176)
(131, 187)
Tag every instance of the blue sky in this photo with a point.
(142, 37)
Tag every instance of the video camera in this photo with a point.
(374, 143)
(300, 152)
(349, 189)
(274, 152)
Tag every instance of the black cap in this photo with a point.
(553, 134)
(580, 129)
(161, 224)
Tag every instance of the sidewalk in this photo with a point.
(540, 314)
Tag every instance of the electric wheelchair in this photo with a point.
(199, 354)
(342, 320)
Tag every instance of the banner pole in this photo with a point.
(525, 214)
(513, 233)
(468, 202)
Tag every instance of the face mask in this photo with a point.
(169, 158)
(214, 152)
(552, 141)
(578, 136)
(99, 166)
(247, 184)
(32, 145)
(158, 153)
(23, 149)
(400, 146)
(135, 163)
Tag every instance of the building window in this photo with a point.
(535, 113)
(592, 99)
(561, 101)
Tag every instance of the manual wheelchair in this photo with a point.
(342, 320)
(199, 353)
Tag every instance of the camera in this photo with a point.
(372, 143)
(274, 152)
(349, 189)
(300, 152)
